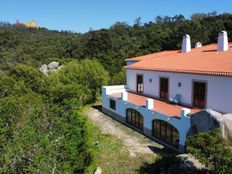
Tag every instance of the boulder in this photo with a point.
(53, 65)
(208, 120)
(44, 69)
(98, 170)
(204, 121)
(227, 118)
(190, 163)
(61, 66)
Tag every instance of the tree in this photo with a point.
(137, 21)
(78, 83)
(30, 76)
(212, 150)
(10, 87)
(40, 137)
(198, 16)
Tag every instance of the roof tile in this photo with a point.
(205, 60)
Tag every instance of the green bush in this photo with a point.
(212, 150)
(30, 76)
(40, 137)
(9, 87)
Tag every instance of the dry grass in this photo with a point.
(111, 153)
(113, 157)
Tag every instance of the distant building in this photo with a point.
(163, 89)
(30, 24)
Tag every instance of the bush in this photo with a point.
(9, 87)
(79, 80)
(31, 77)
(40, 137)
(118, 79)
(212, 150)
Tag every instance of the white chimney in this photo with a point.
(186, 44)
(198, 45)
(222, 41)
(149, 103)
(124, 96)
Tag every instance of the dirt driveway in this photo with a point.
(135, 142)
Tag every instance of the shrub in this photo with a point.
(212, 150)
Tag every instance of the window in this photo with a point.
(134, 118)
(112, 104)
(199, 94)
(139, 81)
(166, 132)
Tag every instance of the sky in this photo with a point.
(81, 15)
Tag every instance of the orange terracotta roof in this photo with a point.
(154, 55)
(162, 107)
(205, 60)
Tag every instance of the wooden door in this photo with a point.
(199, 94)
(164, 85)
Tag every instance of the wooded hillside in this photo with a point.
(19, 44)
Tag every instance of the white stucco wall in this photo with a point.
(219, 89)
(182, 124)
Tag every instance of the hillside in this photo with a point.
(19, 44)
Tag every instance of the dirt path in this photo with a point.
(135, 142)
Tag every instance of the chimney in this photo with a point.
(149, 103)
(186, 44)
(222, 41)
(198, 45)
(124, 96)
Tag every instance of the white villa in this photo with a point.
(163, 90)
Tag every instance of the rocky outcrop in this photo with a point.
(228, 126)
(44, 69)
(98, 171)
(190, 163)
(208, 120)
(51, 67)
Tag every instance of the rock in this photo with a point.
(44, 69)
(198, 45)
(208, 120)
(204, 121)
(98, 170)
(189, 162)
(227, 119)
(53, 65)
(60, 67)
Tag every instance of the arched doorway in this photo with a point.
(166, 132)
(134, 118)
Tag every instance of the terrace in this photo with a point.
(163, 107)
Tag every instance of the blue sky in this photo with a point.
(81, 15)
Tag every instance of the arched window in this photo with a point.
(166, 132)
(134, 118)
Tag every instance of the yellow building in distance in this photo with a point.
(31, 24)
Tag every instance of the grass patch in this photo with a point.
(112, 155)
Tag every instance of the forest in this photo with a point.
(41, 127)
